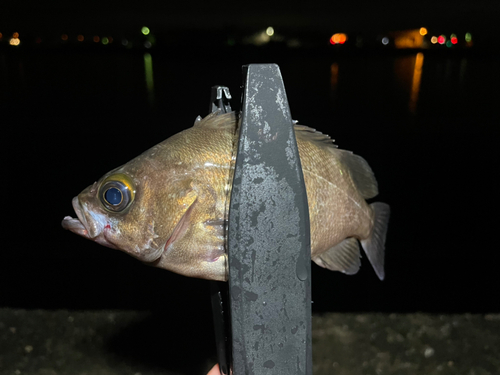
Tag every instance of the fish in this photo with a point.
(168, 207)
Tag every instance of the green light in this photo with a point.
(105, 40)
(145, 30)
(448, 43)
(468, 37)
(148, 67)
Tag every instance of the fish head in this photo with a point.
(114, 213)
(122, 211)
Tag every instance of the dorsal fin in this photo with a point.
(314, 135)
(361, 173)
(217, 120)
(358, 168)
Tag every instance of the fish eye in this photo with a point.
(116, 193)
(113, 196)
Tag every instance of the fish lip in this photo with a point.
(75, 226)
(79, 213)
(78, 225)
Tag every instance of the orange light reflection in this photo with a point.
(415, 84)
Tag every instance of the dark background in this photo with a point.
(70, 114)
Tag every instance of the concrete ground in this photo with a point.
(45, 342)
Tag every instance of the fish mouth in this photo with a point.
(77, 225)
(81, 226)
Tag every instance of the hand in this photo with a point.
(214, 371)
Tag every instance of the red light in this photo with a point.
(338, 38)
(454, 40)
(441, 39)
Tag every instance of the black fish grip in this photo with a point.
(262, 316)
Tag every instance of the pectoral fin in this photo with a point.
(342, 257)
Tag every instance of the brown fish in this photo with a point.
(168, 206)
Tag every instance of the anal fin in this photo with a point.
(342, 257)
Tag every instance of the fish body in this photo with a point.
(168, 207)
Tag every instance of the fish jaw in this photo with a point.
(93, 228)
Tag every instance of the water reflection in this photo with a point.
(148, 68)
(334, 78)
(408, 72)
(415, 85)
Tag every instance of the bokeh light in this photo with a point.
(14, 41)
(385, 40)
(145, 30)
(80, 38)
(453, 39)
(434, 40)
(96, 39)
(442, 39)
(270, 31)
(105, 40)
(338, 38)
(64, 37)
(468, 37)
(423, 31)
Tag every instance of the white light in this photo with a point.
(147, 44)
(124, 42)
(270, 31)
(385, 40)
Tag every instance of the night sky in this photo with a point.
(356, 15)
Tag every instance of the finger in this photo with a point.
(215, 370)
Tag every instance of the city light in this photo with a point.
(338, 38)
(441, 39)
(15, 35)
(145, 30)
(448, 43)
(105, 40)
(434, 40)
(454, 39)
(124, 42)
(270, 31)
(468, 37)
(80, 38)
(1, 36)
(96, 39)
(423, 31)
(64, 37)
(14, 41)
(385, 40)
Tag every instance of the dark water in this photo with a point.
(426, 123)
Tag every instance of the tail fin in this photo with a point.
(374, 246)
